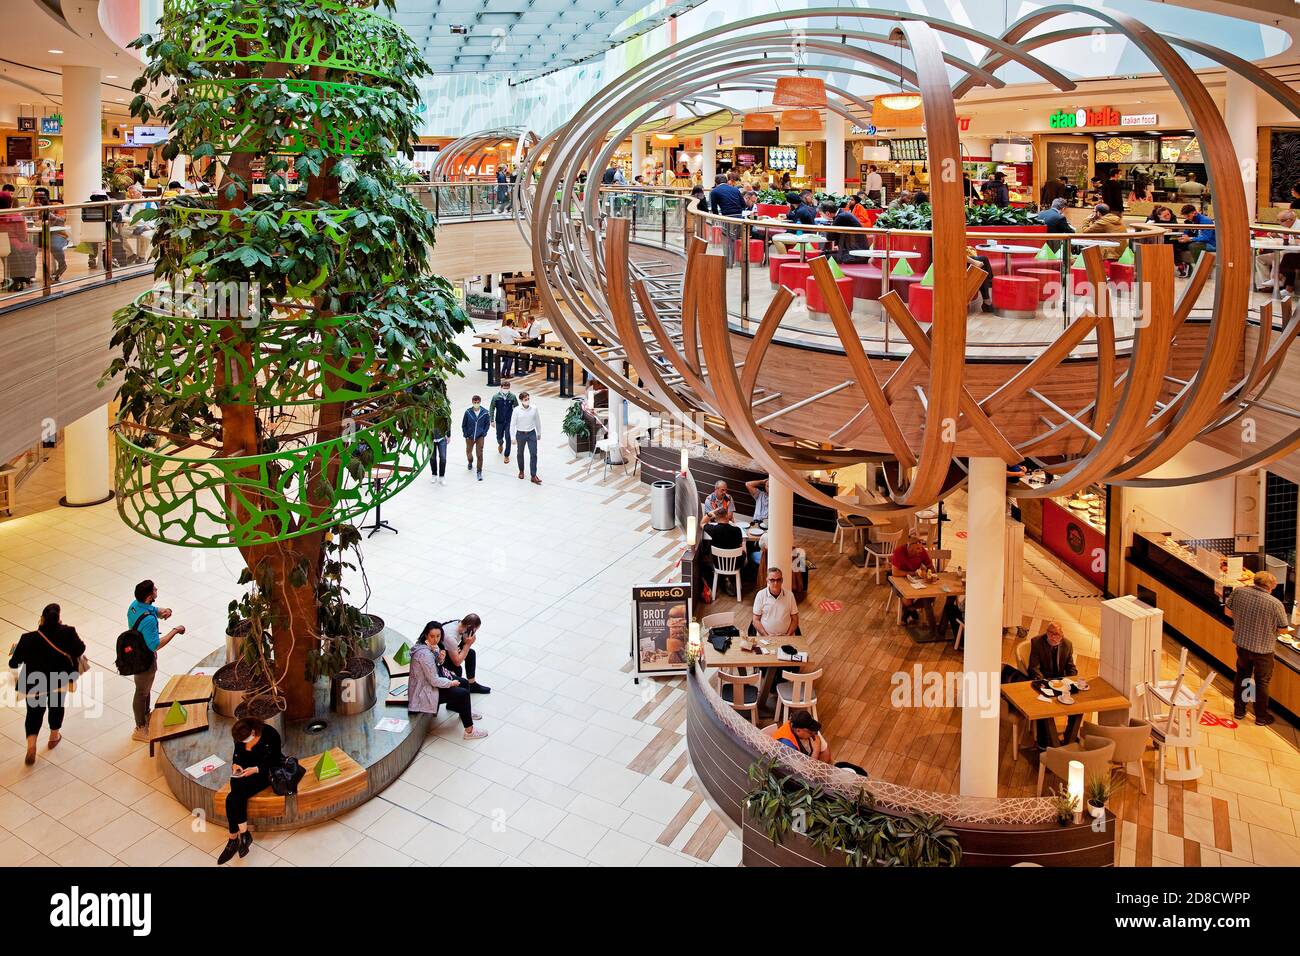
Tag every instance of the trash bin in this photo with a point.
(662, 496)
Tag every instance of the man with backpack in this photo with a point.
(137, 650)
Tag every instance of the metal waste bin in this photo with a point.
(662, 495)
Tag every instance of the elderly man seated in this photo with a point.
(1051, 657)
(718, 502)
(908, 558)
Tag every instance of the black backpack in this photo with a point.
(133, 654)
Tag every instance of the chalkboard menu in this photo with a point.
(18, 148)
(661, 618)
(1067, 159)
(905, 149)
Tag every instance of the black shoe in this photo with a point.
(986, 306)
(1265, 721)
(469, 466)
(227, 854)
(476, 688)
(245, 841)
(1237, 716)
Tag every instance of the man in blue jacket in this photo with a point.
(1206, 237)
(474, 425)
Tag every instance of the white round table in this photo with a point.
(799, 239)
(1272, 245)
(883, 253)
(1008, 251)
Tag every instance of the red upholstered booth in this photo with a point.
(1016, 295)
(793, 275)
(1079, 284)
(866, 280)
(814, 295)
(755, 250)
(1019, 261)
(1049, 281)
(1120, 274)
(904, 285)
(917, 244)
(775, 261)
(770, 211)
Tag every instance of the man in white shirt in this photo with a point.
(527, 424)
(508, 335)
(874, 186)
(775, 612)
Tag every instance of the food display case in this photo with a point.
(1074, 529)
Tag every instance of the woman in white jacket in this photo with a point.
(430, 683)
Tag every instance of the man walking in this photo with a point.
(143, 615)
(502, 408)
(527, 424)
(1257, 619)
(474, 426)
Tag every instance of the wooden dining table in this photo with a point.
(950, 584)
(1027, 705)
(765, 659)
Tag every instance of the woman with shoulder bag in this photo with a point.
(257, 753)
(51, 658)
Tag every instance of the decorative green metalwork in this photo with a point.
(329, 221)
(190, 495)
(371, 44)
(314, 114)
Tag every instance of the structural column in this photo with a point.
(982, 643)
(709, 167)
(617, 412)
(85, 460)
(638, 154)
(83, 140)
(780, 526)
(834, 152)
(1241, 114)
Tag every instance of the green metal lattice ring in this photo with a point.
(243, 133)
(209, 502)
(184, 349)
(220, 40)
(243, 222)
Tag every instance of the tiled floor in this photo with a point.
(582, 765)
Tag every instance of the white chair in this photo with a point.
(796, 693)
(925, 528)
(741, 692)
(961, 630)
(1161, 683)
(727, 563)
(880, 551)
(1177, 728)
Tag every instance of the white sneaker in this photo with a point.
(140, 733)
(443, 479)
(475, 734)
(476, 716)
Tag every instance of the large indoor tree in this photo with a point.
(288, 373)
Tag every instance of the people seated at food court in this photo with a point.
(718, 502)
(803, 732)
(1051, 657)
(775, 612)
(908, 558)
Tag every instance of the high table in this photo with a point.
(1025, 703)
(766, 661)
(1272, 245)
(795, 238)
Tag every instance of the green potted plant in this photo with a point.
(575, 427)
(1065, 806)
(484, 305)
(1096, 792)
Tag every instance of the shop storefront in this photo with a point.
(1073, 529)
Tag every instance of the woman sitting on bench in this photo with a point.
(257, 750)
(431, 683)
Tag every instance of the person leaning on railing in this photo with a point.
(20, 262)
(58, 241)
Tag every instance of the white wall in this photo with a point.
(1202, 510)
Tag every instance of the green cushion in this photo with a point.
(1044, 252)
(1126, 257)
(1078, 262)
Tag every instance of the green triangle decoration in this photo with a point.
(836, 271)
(403, 655)
(1078, 262)
(1126, 257)
(176, 715)
(1044, 252)
(901, 268)
(928, 278)
(327, 767)
(1053, 253)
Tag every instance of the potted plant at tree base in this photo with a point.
(265, 706)
(232, 684)
(247, 671)
(347, 633)
(576, 428)
(1097, 792)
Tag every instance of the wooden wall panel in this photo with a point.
(476, 248)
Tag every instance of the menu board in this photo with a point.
(1180, 149)
(905, 149)
(782, 157)
(1124, 149)
(1069, 160)
(661, 616)
(18, 148)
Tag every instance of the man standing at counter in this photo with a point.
(1257, 619)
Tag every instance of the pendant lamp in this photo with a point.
(799, 91)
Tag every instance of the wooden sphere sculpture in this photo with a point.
(1110, 416)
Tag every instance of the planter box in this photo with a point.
(580, 446)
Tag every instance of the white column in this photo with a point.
(617, 412)
(1241, 113)
(780, 526)
(834, 152)
(85, 459)
(638, 155)
(709, 167)
(179, 169)
(83, 139)
(982, 643)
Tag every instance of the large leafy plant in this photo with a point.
(989, 215)
(289, 375)
(909, 216)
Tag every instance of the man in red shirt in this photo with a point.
(908, 558)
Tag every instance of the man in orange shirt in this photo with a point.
(908, 558)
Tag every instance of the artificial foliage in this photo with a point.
(286, 373)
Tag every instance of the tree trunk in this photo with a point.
(293, 629)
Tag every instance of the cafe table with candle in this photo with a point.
(1027, 705)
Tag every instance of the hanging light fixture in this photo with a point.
(806, 120)
(899, 102)
(809, 91)
(759, 122)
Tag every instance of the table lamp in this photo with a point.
(691, 529)
(1076, 788)
(686, 460)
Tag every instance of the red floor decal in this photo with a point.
(831, 606)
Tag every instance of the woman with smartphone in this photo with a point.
(257, 750)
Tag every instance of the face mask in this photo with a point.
(249, 741)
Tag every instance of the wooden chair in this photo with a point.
(1094, 754)
(879, 552)
(796, 693)
(1131, 742)
(925, 528)
(721, 619)
(727, 563)
(1022, 655)
(741, 692)
(940, 559)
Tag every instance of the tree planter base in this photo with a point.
(230, 685)
(354, 692)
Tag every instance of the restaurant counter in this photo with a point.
(1163, 579)
(1073, 529)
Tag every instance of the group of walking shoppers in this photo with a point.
(513, 418)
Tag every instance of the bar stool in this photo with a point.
(775, 260)
(1079, 284)
(866, 280)
(796, 693)
(792, 275)
(921, 303)
(813, 294)
(1049, 282)
(755, 250)
(1015, 296)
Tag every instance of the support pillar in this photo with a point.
(780, 526)
(982, 643)
(638, 156)
(834, 152)
(179, 169)
(83, 141)
(85, 460)
(709, 166)
(1241, 113)
(617, 414)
